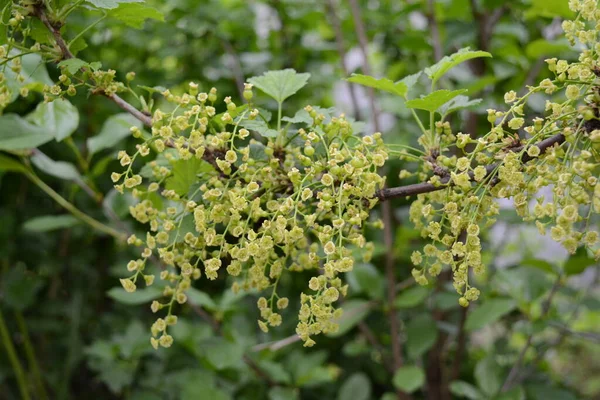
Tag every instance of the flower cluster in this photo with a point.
(516, 159)
(219, 197)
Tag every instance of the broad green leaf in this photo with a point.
(542, 47)
(73, 65)
(115, 128)
(434, 100)
(367, 279)
(464, 389)
(410, 80)
(488, 376)
(488, 312)
(19, 287)
(421, 334)
(185, 174)
(11, 164)
(59, 117)
(260, 126)
(276, 371)
(142, 295)
(398, 88)
(58, 169)
(540, 391)
(578, 262)
(516, 393)
(408, 378)
(280, 84)
(50, 223)
(109, 4)
(199, 298)
(17, 134)
(301, 116)
(134, 14)
(549, 9)
(540, 264)
(354, 312)
(283, 393)
(440, 68)
(222, 353)
(33, 70)
(522, 284)
(356, 387)
(458, 103)
(411, 297)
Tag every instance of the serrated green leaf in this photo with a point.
(301, 117)
(411, 80)
(50, 223)
(59, 117)
(457, 103)
(367, 279)
(434, 100)
(488, 312)
(398, 88)
(408, 378)
(135, 14)
(109, 4)
(115, 128)
(185, 174)
(11, 164)
(356, 387)
(411, 297)
(421, 334)
(440, 68)
(73, 65)
(17, 133)
(260, 126)
(280, 84)
(578, 262)
(140, 296)
(19, 287)
(354, 312)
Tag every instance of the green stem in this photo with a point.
(14, 360)
(85, 30)
(279, 117)
(99, 226)
(31, 359)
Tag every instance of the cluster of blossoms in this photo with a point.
(516, 159)
(255, 207)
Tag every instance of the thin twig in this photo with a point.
(278, 344)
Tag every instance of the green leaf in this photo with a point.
(199, 298)
(488, 375)
(408, 378)
(516, 393)
(411, 80)
(260, 126)
(421, 334)
(17, 134)
(134, 14)
(367, 279)
(434, 100)
(222, 353)
(301, 117)
(540, 264)
(542, 47)
(522, 284)
(457, 103)
(11, 164)
(354, 312)
(109, 4)
(549, 9)
(185, 174)
(33, 69)
(538, 391)
(411, 297)
(490, 311)
(280, 84)
(356, 387)
(440, 68)
(50, 223)
(276, 371)
(464, 389)
(58, 169)
(115, 128)
(19, 287)
(282, 393)
(578, 262)
(140, 296)
(59, 117)
(398, 88)
(73, 65)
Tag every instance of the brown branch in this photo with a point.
(426, 187)
(461, 340)
(435, 31)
